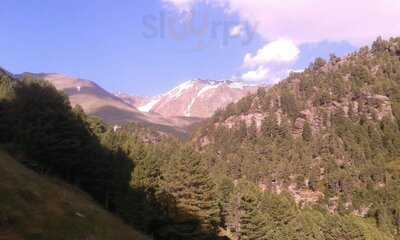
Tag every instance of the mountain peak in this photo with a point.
(195, 98)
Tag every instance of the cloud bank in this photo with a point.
(270, 63)
(285, 24)
(304, 21)
(260, 74)
(279, 51)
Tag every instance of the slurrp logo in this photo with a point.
(195, 27)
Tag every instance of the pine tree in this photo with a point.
(187, 181)
(252, 222)
(224, 190)
(147, 173)
(97, 126)
(307, 132)
(283, 131)
(252, 131)
(246, 218)
(337, 227)
(47, 129)
(289, 105)
(6, 92)
(390, 136)
(270, 127)
(241, 131)
(6, 85)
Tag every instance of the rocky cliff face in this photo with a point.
(368, 105)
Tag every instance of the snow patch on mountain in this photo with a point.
(149, 106)
(207, 88)
(188, 111)
(179, 90)
(211, 85)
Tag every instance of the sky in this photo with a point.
(146, 47)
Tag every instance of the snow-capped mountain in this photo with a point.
(196, 98)
(173, 112)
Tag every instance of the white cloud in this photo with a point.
(237, 31)
(303, 21)
(258, 75)
(355, 21)
(271, 63)
(279, 51)
(265, 74)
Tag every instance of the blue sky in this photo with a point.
(120, 44)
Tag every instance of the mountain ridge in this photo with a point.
(195, 98)
(113, 110)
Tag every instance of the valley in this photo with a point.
(200, 120)
(312, 157)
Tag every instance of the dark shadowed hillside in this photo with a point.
(39, 207)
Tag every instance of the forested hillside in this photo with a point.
(326, 139)
(315, 157)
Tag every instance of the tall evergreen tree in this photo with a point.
(6, 93)
(187, 181)
(225, 188)
(147, 173)
(253, 225)
(307, 132)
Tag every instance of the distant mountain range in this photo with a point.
(172, 112)
(196, 98)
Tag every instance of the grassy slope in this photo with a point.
(38, 207)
